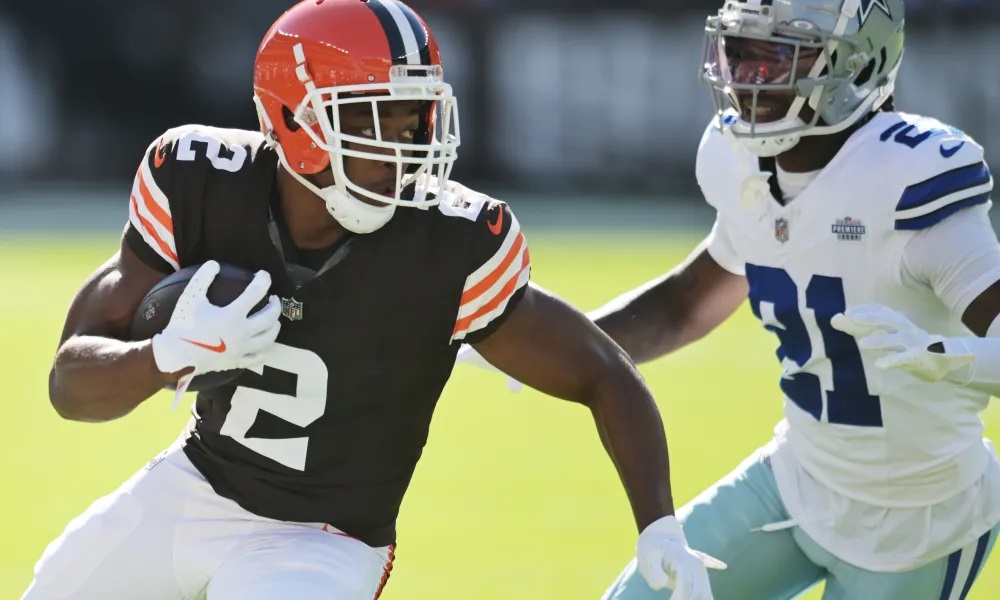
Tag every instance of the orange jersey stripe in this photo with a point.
(154, 209)
(488, 281)
(152, 231)
(505, 293)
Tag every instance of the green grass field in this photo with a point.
(514, 498)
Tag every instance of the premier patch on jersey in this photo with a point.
(848, 229)
(291, 309)
(781, 230)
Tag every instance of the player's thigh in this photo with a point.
(724, 521)
(948, 578)
(296, 561)
(120, 547)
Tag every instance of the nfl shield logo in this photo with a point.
(781, 230)
(291, 309)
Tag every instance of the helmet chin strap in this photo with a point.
(769, 139)
(353, 214)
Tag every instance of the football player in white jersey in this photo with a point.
(861, 238)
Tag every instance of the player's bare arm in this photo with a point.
(97, 375)
(981, 314)
(553, 348)
(983, 311)
(673, 310)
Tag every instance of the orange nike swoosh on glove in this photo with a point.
(218, 348)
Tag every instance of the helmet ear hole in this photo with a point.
(874, 66)
(289, 118)
(866, 74)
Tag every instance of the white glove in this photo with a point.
(468, 354)
(901, 343)
(217, 338)
(665, 560)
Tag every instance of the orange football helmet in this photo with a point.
(322, 54)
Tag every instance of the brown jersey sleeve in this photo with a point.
(499, 270)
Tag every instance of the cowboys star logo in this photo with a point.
(868, 5)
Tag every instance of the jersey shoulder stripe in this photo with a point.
(489, 289)
(149, 209)
(929, 202)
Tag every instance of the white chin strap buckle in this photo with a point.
(770, 147)
(353, 214)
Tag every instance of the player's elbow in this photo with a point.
(75, 409)
(60, 399)
(70, 404)
(611, 377)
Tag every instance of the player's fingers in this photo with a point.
(204, 276)
(262, 341)
(265, 317)
(876, 316)
(893, 361)
(265, 338)
(860, 325)
(869, 311)
(882, 342)
(654, 574)
(848, 325)
(710, 561)
(254, 292)
(197, 286)
(249, 361)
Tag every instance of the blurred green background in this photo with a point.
(514, 497)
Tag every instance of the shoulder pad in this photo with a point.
(222, 149)
(938, 170)
(172, 176)
(718, 159)
(500, 262)
(151, 211)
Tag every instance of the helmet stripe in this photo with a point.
(420, 32)
(402, 35)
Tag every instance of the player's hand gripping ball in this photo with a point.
(216, 318)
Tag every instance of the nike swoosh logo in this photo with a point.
(496, 226)
(949, 152)
(218, 348)
(159, 158)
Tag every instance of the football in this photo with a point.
(156, 308)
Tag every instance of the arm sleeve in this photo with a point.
(498, 274)
(958, 258)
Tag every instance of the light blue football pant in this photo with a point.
(780, 565)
